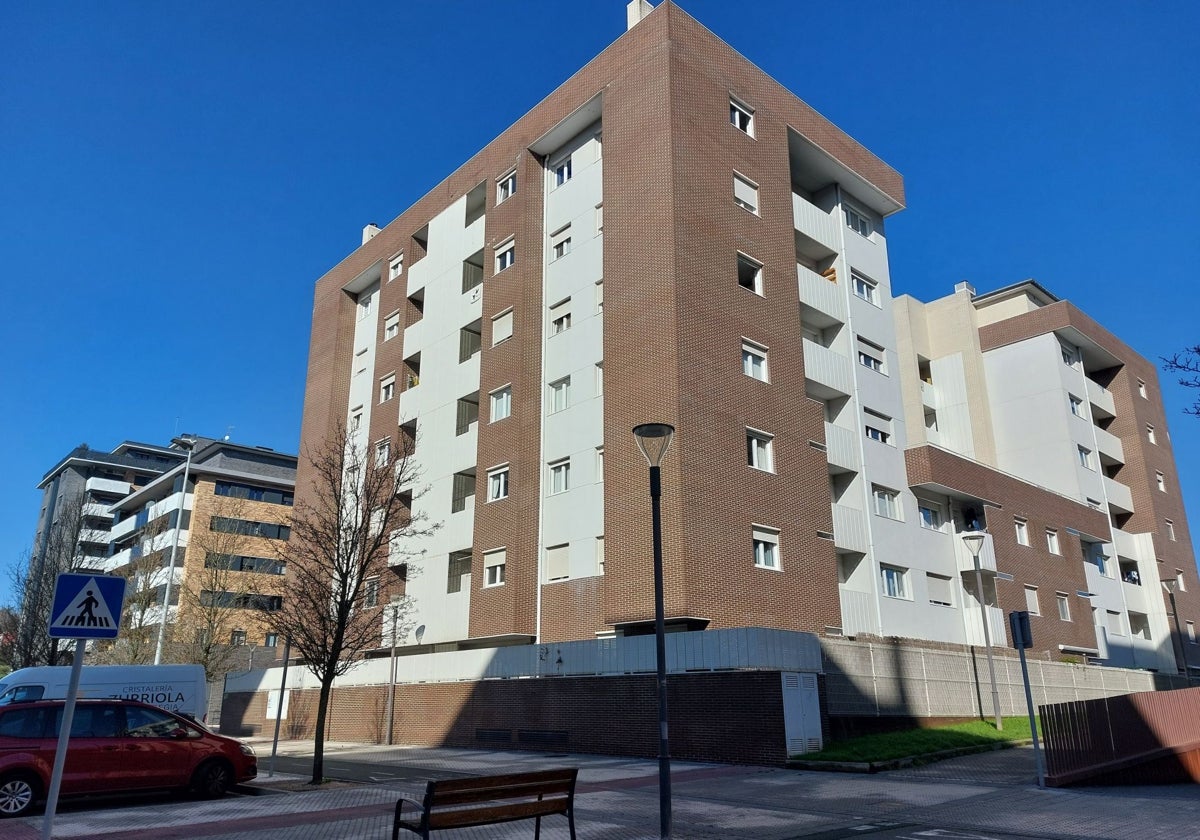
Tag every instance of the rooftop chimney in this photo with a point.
(964, 286)
(635, 11)
(369, 232)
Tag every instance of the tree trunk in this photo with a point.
(318, 767)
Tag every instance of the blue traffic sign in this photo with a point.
(86, 606)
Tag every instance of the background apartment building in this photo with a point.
(670, 236)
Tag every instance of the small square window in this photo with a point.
(940, 589)
(387, 388)
(1022, 529)
(1170, 528)
(877, 426)
(1064, 606)
(371, 592)
(741, 117)
(493, 567)
(391, 326)
(1150, 436)
(754, 361)
(887, 502)
(366, 305)
(749, 274)
(396, 267)
(1141, 386)
(502, 327)
(1085, 457)
(1160, 481)
(558, 562)
(237, 638)
(560, 317)
(506, 186)
(560, 476)
(562, 171)
(560, 395)
(893, 581)
(865, 288)
(745, 193)
(870, 355)
(933, 516)
(1180, 581)
(383, 452)
(1076, 405)
(760, 450)
(858, 222)
(766, 547)
(356, 418)
(501, 403)
(1052, 541)
(506, 255)
(1031, 600)
(1070, 354)
(498, 483)
(560, 243)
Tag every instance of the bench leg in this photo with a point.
(537, 827)
(571, 820)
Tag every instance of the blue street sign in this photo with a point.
(86, 606)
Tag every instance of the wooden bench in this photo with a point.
(490, 800)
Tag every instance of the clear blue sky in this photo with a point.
(175, 176)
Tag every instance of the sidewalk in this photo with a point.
(617, 799)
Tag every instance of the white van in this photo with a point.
(177, 688)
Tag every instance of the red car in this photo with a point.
(115, 745)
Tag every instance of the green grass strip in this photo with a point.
(915, 742)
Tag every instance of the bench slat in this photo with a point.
(464, 797)
(478, 782)
(497, 813)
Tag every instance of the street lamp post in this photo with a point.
(189, 444)
(974, 543)
(1169, 585)
(391, 703)
(653, 440)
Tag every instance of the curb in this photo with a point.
(899, 763)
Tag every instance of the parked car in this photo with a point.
(115, 746)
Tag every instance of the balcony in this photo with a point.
(841, 448)
(858, 612)
(821, 293)
(816, 225)
(106, 485)
(1101, 399)
(828, 374)
(1110, 446)
(966, 562)
(850, 529)
(1120, 499)
(929, 395)
(974, 625)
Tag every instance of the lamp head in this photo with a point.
(653, 440)
(1168, 585)
(973, 540)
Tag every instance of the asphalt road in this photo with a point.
(346, 769)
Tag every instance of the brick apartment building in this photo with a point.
(671, 236)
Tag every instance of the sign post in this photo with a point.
(85, 607)
(1018, 622)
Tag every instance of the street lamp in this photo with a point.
(653, 440)
(391, 703)
(1169, 585)
(973, 540)
(188, 443)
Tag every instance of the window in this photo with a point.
(599, 378)
(1070, 354)
(887, 502)
(458, 571)
(560, 476)
(870, 355)
(1076, 405)
(600, 555)
(741, 117)
(1150, 436)
(1031, 600)
(237, 638)
(1064, 606)
(745, 193)
(760, 450)
(560, 243)
(562, 171)
(865, 288)
(754, 360)
(236, 490)
(501, 400)
(878, 426)
(271, 640)
(857, 222)
(493, 567)
(1139, 625)
(1115, 626)
(248, 528)
(894, 581)
(932, 515)
(356, 417)
(1180, 583)
(766, 547)
(1160, 481)
(1141, 386)
(502, 327)
(366, 305)
(383, 452)
(506, 186)
(1022, 528)
(560, 395)
(506, 255)
(599, 463)
(498, 483)
(940, 589)
(387, 388)
(396, 267)
(371, 592)
(560, 317)
(558, 562)
(391, 326)
(1085, 457)
(599, 297)
(1170, 527)
(1191, 632)
(749, 274)
(1052, 541)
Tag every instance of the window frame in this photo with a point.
(506, 254)
(760, 450)
(892, 506)
(737, 109)
(500, 397)
(1033, 604)
(752, 350)
(498, 484)
(1062, 602)
(559, 317)
(558, 476)
(396, 267)
(765, 542)
(1053, 545)
(865, 288)
(560, 243)
(490, 565)
(559, 395)
(893, 582)
(749, 188)
(1021, 529)
(387, 387)
(391, 326)
(506, 186)
(505, 319)
(852, 215)
(562, 170)
(756, 281)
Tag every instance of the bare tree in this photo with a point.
(358, 511)
(33, 580)
(10, 621)
(1187, 366)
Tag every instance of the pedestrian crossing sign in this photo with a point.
(86, 606)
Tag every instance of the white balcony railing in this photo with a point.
(828, 369)
(821, 294)
(1110, 445)
(858, 612)
(106, 485)
(1119, 496)
(850, 529)
(974, 625)
(1100, 397)
(965, 560)
(815, 223)
(841, 448)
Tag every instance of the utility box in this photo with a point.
(801, 713)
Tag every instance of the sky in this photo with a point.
(174, 177)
